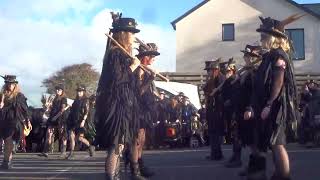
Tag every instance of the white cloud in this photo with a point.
(34, 49)
(49, 8)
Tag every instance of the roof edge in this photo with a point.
(173, 23)
(310, 4)
(300, 6)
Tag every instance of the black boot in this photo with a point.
(135, 172)
(243, 172)
(91, 151)
(112, 177)
(257, 168)
(7, 165)
(145, 171)
(70, 156)
(275, 177)
(126, 158)
(45, 151)
(235, 161)
(63, 152)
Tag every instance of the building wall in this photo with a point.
(199, 35)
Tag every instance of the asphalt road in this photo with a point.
(176, 164)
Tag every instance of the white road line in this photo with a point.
(65, 170)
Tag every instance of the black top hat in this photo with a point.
(252, 51)
(275, 27)
(150, 49)
(213, 64)
(207, 65)
(60, 86)
(10, 79)
(81, 88)
(181, 94)
(123, 24)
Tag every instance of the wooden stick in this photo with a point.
(145, 68)
(142, 43)
(215, 90)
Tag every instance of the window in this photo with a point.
(297, 38)
(227, 32)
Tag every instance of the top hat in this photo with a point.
(123, 24)
(59, 86)
(207, 65)
(150, 49)
(213, 64)
(275, 27)
(10, 79)
(181, 94)
(252, 51)
(81, 88)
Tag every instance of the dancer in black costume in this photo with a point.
(77, 120)
(214, 106)
(252, 57)
(14, 116)
(117, 106)
(147, 98)
(274, 99)
(57, 122)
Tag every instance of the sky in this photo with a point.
(39, 37)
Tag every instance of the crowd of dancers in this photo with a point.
(255, 103)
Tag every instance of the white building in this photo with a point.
(221, 28)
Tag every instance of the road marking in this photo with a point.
(304, 150)
(189, 166)
(66, 170)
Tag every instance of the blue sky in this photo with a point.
(39, 37)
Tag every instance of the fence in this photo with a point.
(199, 79)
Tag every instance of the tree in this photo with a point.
(72, 76)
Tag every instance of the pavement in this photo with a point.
(169, 164)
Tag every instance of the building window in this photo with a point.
(227, 32)
(297, 38)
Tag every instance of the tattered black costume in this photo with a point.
(147, 99)
(58, 104)
(243, 97)
(228, 99)
(275, 87)
(117, 107)
(13, 115)
(79, 109)
(214, 106)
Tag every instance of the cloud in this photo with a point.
(33, 49)
(49, 9)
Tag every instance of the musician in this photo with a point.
(147, 54)
(77, 121)
(57, 122)
(14, 116)
(252, 58)
(229, 95)
(162, 107)
(117, 107)
(274, 99)
(214, 106)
